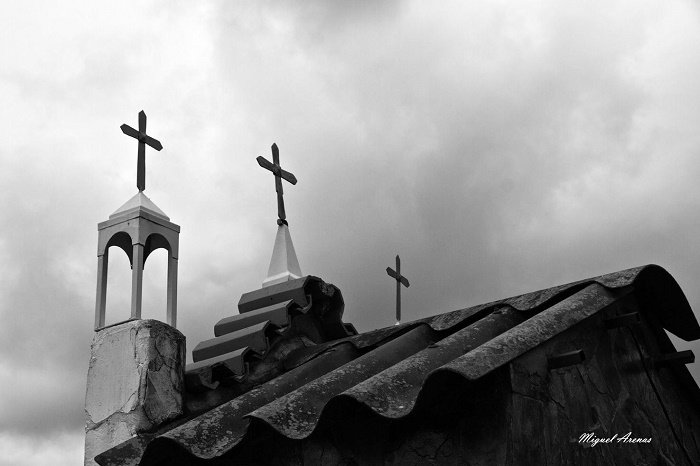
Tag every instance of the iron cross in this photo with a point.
(143, 139)
(280, 174)
(400, 279)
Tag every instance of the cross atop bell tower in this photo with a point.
(143, 139)
(138, 228)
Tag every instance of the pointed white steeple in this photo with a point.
(284, 265)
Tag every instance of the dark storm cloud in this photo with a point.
(439, 147)
(495, 149)
(60, 170)
(42, 339)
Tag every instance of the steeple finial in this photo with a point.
(280, 174)
(143, 139)
(284, 265)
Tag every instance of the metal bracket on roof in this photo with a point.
(622, 320)
(565, 359)
(673, 359)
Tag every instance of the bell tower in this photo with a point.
(136, 376)
(138, 227)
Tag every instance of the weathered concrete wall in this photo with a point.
(135, 382)
(615, 391)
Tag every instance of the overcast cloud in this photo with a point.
(498, 147)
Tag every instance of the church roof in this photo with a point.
(139, 202)
(392, 372)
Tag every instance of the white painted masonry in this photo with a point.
(135, 382)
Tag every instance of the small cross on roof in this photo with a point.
(400, 280)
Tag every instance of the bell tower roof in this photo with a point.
(140, 202)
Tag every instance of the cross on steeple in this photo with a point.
(400, 280)
(143, 139)
(280, 174)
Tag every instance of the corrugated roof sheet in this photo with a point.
(389, 371)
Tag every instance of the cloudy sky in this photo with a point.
(498, 147)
